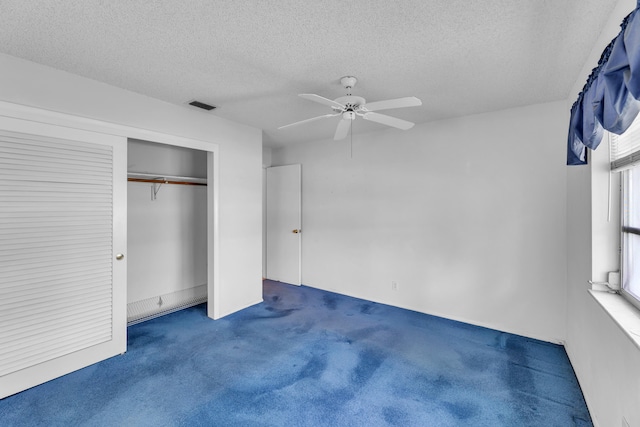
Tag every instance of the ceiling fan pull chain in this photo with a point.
(351, 143)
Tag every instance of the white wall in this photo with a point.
(153, 158)
(266, 157)
(167, 239)
(605, 360)
(240, 158)
(466, 215)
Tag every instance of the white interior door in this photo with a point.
(284, 217)
(62, 267)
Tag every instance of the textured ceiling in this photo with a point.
(251, 58)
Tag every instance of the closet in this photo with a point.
(166, 229)
(84, 209)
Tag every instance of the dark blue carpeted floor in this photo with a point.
(306, 357)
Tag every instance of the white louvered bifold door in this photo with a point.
(62, 291)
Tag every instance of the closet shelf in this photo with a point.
(165, 179)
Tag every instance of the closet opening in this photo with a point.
(168, 224)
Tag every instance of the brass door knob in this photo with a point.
(296, 231)
(119, 256)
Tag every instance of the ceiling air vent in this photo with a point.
(202, 105)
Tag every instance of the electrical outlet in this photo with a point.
(394, 286)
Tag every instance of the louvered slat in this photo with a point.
(56, 228)
(72, 324)
(44, 253)
(66, 344)
(21, 185)
(45, 318)
(63, 273)
(28, 176)
(47, 260)
(46, 314)
(8, 254)
(39, 145)
(57, 326)
(35, 342)
(35, 295)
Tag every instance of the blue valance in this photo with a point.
(610, 100)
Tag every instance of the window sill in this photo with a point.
(626, 316)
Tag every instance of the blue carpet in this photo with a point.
(307, 357)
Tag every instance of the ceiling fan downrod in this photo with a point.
(348, 82)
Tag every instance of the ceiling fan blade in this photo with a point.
(388, 120)
(343, 129)
(321, 100)
(309, 120)
(410, 101)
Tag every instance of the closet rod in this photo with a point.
(165, 179)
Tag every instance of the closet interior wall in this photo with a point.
(167, 230)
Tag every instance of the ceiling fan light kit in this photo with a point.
(351, 106)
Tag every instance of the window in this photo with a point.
(630, 257)
(625, 157)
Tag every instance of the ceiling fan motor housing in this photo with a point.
(351, 102)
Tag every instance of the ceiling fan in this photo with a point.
(350, 106)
